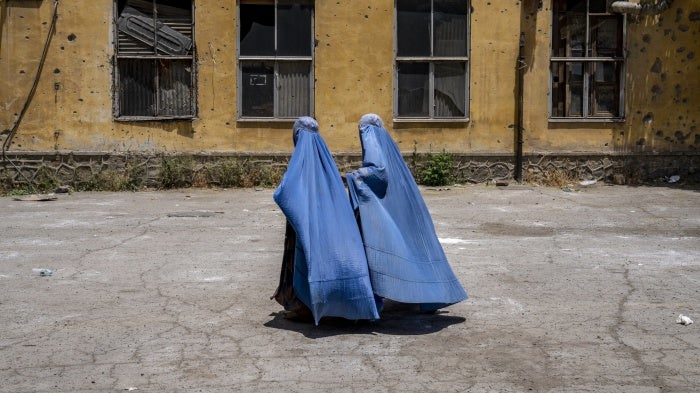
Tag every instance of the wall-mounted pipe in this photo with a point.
(520, 66)
(626, 7)
(630, 7)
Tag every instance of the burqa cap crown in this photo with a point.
(304, 123)
(370, 119)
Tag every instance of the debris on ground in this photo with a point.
(684, 320)
(36, 197)
(63, 190)
(41, 271)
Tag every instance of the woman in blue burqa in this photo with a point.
(406, 261)
(324, 268)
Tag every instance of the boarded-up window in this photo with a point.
(432, 59)
(154, 75)
(587, 63)
(275, 59)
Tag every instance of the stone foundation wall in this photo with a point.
(79, 169)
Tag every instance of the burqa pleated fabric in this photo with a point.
(406, 261)
(331, 274)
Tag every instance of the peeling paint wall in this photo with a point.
(72, 108)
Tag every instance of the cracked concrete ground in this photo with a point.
(170, 292)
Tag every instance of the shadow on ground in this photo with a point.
(396, 319)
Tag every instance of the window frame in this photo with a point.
(432, 60)
(589, 63)
(276, 60)
(117, 83)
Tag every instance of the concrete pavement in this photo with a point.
(170, 292)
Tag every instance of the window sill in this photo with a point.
(267, 119)
(149, 118)
(430, 120)
(585, 120)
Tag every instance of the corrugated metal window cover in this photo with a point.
(155, 72)
(153, 33)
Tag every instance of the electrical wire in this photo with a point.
(13, 130)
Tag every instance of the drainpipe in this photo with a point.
(520, 68)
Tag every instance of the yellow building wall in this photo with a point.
(668, 93)
(664, 82)
(72, 107)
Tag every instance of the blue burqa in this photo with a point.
(406, 261)
(330, 268)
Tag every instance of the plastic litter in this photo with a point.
(43, 272)
(684, 320)
(587, 182)
(673, 179)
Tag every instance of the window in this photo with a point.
(432, 59)
(587, 65)
(154, 73)
(275, 59)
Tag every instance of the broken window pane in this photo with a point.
(586, 88)
(257, 36)
(558, 89)
(413, 27)
(257, 89)
(567, 89)
(413, 88)
(450, 89)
